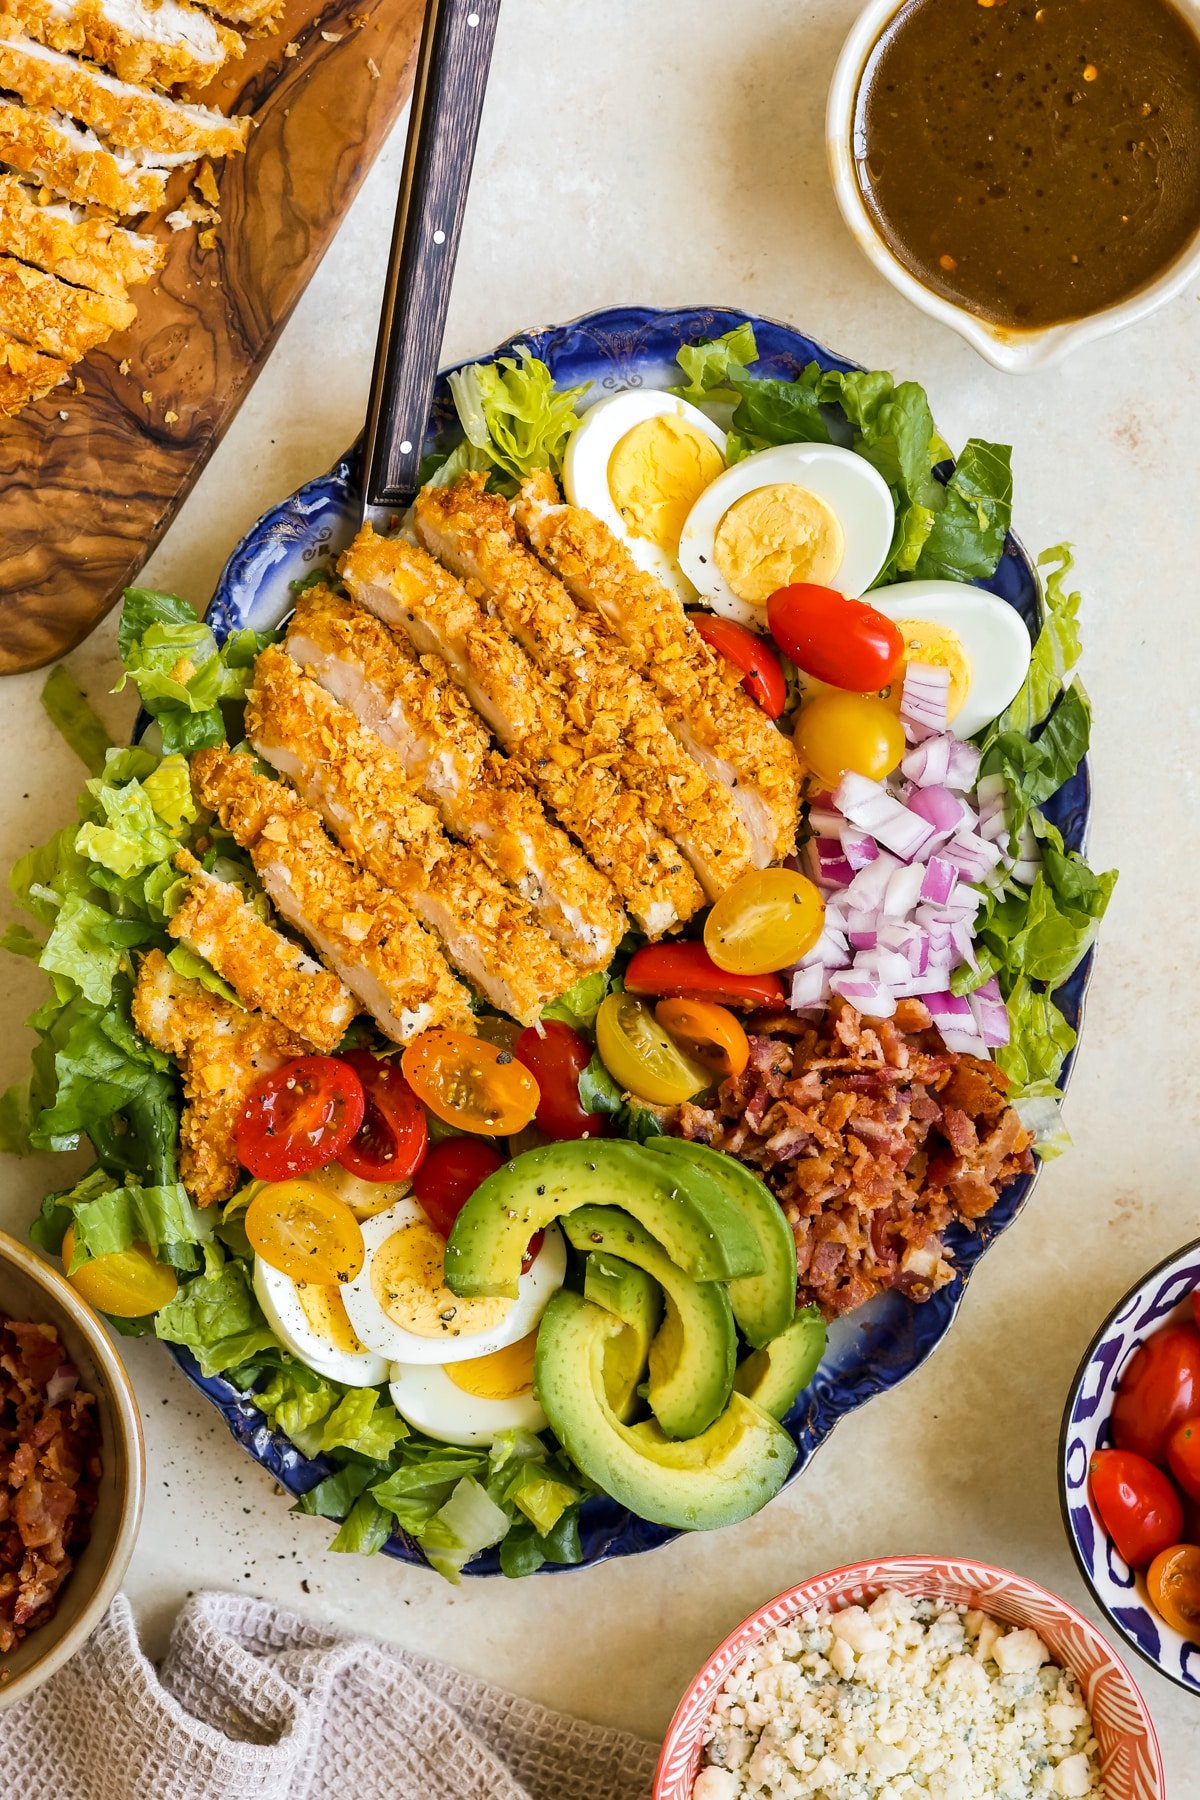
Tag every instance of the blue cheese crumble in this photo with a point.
(901, 1699)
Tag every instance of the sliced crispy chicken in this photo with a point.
(25, 374)
(259, 15)
(712, 715)
(222, 1052)
(51, 315)
(163, 42)
(576, 775)
(473, 533)
(361, 790)
(364, 933)
(413, 706)
(55, 153)
(264, 969)
(89, 252)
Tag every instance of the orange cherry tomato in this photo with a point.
(766, 921)
(838, 733)
(306, 1232)
(125, 1284)
(1158, 1391)
(844, 642)
(1138, 1506)
(1183, 1456)
(469, 1083)
(1173, 1579)
(708, 1034)
(764, 680)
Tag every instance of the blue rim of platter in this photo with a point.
(873, 1350)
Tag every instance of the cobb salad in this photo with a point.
(604, 935)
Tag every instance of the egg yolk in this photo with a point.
(327, 1315)
(656, 474)
(406, 1279)
(774, 536)
(504, 1375)
(939, 648)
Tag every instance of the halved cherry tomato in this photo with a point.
(1158, 1391)
(708, 1034)
(837, 733)
(685, 971)
(764, 681)
(301, 1115)
(640, 1056)
(126, 1284)
(1173, 1579)
(1138, 1506)
(449, 1176)
(1183, 1456)
(306, 1232)
(844, 642)
(766, 920)
(557, 1057)
(391, 1140)
(471, 1084)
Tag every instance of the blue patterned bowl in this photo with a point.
(628, 347)
(1086, 1427)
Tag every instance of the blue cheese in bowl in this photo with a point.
(899, 1699)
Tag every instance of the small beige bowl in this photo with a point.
(1017, 352)
(31, 1289)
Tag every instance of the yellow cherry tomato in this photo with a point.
(305, 1231)
(765, 921)
(126, 1284)
(640, 1056)
(709, 1034)
(839, 733)
(471, 1084)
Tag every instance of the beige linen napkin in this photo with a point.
(256, 1704)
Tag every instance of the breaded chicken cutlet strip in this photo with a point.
(89, 252)
(364, 933)
(413, 706)
(402, 585)
(56, 154)
(161, 42)
(473, 533)
(712, 715)
(361, 790)
(62, 320)
(128, 117)
(222, 1052)
(264, 969)
(25, 374)
(257, 15)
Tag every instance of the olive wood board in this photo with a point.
(84, 499)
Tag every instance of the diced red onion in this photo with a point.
(888, 966)
(825, 864)
(866, 892)
(824, 818)
(865, 992)
(911, 942)
(810, 987)
(971, 855)
(991, 797)
(868, 805)
(863, 937)
(943, 761)
(857, 847)
(952, 1015)
(990, 1013)
(939, 880)
(923, 700)
(903, 891)
(831, 951)
(941, 809)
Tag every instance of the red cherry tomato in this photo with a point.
(687, 972)
(391, 1140)
(1196, 1305)
(1158, 1391)
(556, 1057)
(1138, 1506)
(764, 681)
(1183, 1456)
(301, 1115)
(1174, 1583)
(449, 1176)
(844, 642)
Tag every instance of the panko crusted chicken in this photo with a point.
(578, 776)
(412, 705)
(87, 251)
(704, 702)
(365, 933)
(223, 1051)
(55, 153)
(163, 42)
(472, 532)
(126, 117)
(874, 1138)
(361, 790)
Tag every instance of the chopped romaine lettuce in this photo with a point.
(179, 670)
(580, 1004)
(514, 421)
(82, 728)
(217, 1318)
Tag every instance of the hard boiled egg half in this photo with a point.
(980, 639)
(401, 1308)
(638, 461)
(311, 1321)
(800, 512)
(470, 1402)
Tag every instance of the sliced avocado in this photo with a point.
(763, 1304)
(636, 1299)
(681, 1205)
(773, 1376)
(692, 1484)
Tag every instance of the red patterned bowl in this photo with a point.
(1129, 1757)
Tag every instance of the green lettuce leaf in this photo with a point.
(180, 672)
(362, 1423)
(513, 417)
(1035, 768)
(580, 1004)
(218, 1319)
(108, 1217)
(334, 1497)
(366, 1530)
(466, 1523)
(599, 1093)
(80, 725)
(1055, 652)
(967, 533)
(1041, 1038)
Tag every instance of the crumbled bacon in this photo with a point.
(874, 1138)
(49, 1470)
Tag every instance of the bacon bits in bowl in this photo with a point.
(921, 1673)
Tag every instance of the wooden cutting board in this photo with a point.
(84, 499)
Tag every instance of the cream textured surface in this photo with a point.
(672, 154)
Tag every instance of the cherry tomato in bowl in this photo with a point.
(838, 733)
(709, 1034)
(1183, 1457)
(843, 642)
(556, 1056)
(764, 679)
(305, 1232)
(470, 1084)
(640, 1056)
(766, 921)
(685, 971)
(1173, 1579)
(1138, 1505)
(1159, 1390)
(299, 1116)
(392, 1138)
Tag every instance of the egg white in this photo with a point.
(585, 469)
(851, 488)
(276, 1293)
(428, 1399)
(993, 634)
(383, 1335)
